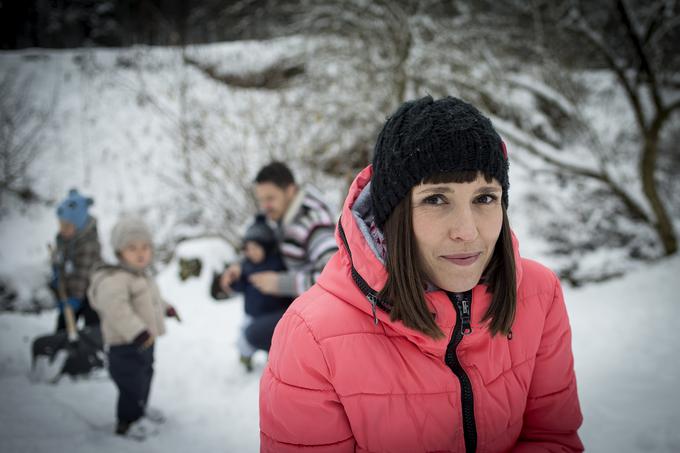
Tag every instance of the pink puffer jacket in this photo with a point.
(337, 381)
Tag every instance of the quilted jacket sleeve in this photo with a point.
(299, 408)
(552, 415)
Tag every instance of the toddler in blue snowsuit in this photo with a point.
(262, 311)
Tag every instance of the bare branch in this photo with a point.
(272, 77)
(24, 193)
(672, 106)
(529, 145)
(671, 22)
(655, 22)
(582, 27)
(645, 63)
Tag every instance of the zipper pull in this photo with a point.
(464, 310)
(374, 302)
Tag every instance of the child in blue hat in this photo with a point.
(77, 252)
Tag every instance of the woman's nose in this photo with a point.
(463, 226)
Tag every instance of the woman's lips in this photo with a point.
(463, 259)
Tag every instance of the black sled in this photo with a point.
(70, 352)
(73, 358)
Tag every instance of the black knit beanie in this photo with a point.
(426, 137)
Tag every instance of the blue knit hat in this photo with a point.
(74, 209)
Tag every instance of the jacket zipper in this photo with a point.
(462, 303)
(364, 287)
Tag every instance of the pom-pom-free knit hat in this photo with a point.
(426, 137)
(129, 229)
(261, 233)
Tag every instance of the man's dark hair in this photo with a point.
(276, 173)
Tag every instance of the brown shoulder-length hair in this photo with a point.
(406, 281)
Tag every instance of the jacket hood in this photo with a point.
(359, 251)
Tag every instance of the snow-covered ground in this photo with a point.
(626, 357)
(106, 140)
(625, 346)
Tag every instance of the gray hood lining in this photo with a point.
(362, 212)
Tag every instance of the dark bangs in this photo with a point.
(406, 278)
(456, 177)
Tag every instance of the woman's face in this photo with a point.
(456, 226)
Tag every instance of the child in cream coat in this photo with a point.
(132, 314)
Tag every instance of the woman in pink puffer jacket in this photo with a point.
(426, 332)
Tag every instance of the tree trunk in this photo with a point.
(663, 225)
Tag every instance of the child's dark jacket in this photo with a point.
(256, 303)
(75, 259)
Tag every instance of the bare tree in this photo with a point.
(21, 125)
(212, 171)
(356, 64)
(591, 90)
(529, 64)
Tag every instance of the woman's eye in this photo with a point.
(486, 199)
(434, 199)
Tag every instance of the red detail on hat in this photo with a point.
(505, 150)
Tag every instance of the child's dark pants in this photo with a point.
(131, 370)
(260, 331)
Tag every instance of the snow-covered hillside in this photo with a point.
(109, 137)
